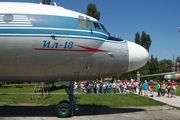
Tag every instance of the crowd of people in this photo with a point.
(106, 87)
(162, 88)
(119, 86)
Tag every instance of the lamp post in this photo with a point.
(138, 76)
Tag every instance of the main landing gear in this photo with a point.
(65, 108)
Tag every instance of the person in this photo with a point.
(169, 89)
(82, 87)
(85, 87)
(174, 86)
(114, 86)
(124, 87)
(163, 88)
(151, 85)
(97, 87)
(145, 86)
(104, 87)
(100, 87)
(89, 86)
(118, 87)
(132, 86)
(121, 86)
(75, 87)
(109, 88)
(94, 87)
(140, 87)
(136, 86)
(159, 89)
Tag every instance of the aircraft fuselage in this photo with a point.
(59, 44)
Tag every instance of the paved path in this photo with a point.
(30, 112)
(174, 101)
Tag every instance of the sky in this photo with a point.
(123, 18)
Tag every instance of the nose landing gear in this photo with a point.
(65, 108)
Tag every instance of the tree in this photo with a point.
(144, 40)
(154, 65)
(92, 11)
(128, 76)
(137, 38)
(165, 65)
(46, 2)
(178, 59)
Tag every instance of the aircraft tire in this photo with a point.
(72, 114)
(64, 109)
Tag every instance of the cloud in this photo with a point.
(165, 52)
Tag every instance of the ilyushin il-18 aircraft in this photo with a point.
(48, 43)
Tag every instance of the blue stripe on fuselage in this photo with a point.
(46, 24)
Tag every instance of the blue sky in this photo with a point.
(123, 18)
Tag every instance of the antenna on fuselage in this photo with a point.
(55, 4)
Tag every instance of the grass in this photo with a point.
(117, 100)
(25, 88)
(109, 100)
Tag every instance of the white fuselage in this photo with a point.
(49, 43)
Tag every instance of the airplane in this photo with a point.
(167, 76)
(175, 76)
(48, 43)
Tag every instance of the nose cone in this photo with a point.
(138, 56)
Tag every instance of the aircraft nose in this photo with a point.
(138, 56)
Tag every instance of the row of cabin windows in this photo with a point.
(88, 24)
(81, 24)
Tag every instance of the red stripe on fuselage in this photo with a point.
(87, 49)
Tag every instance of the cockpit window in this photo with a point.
(96, 25)
(115, 39)
(104, 28)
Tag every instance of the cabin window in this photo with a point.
(96, 25)
(89, 24)
(87, 18)
(81, 23)
(81, 17)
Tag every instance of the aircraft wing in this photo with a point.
(167, 73)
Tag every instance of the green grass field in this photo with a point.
(110, 100)
(24, 88)
(22, 94)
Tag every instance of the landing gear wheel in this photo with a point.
(72, 113)
(64, 110)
